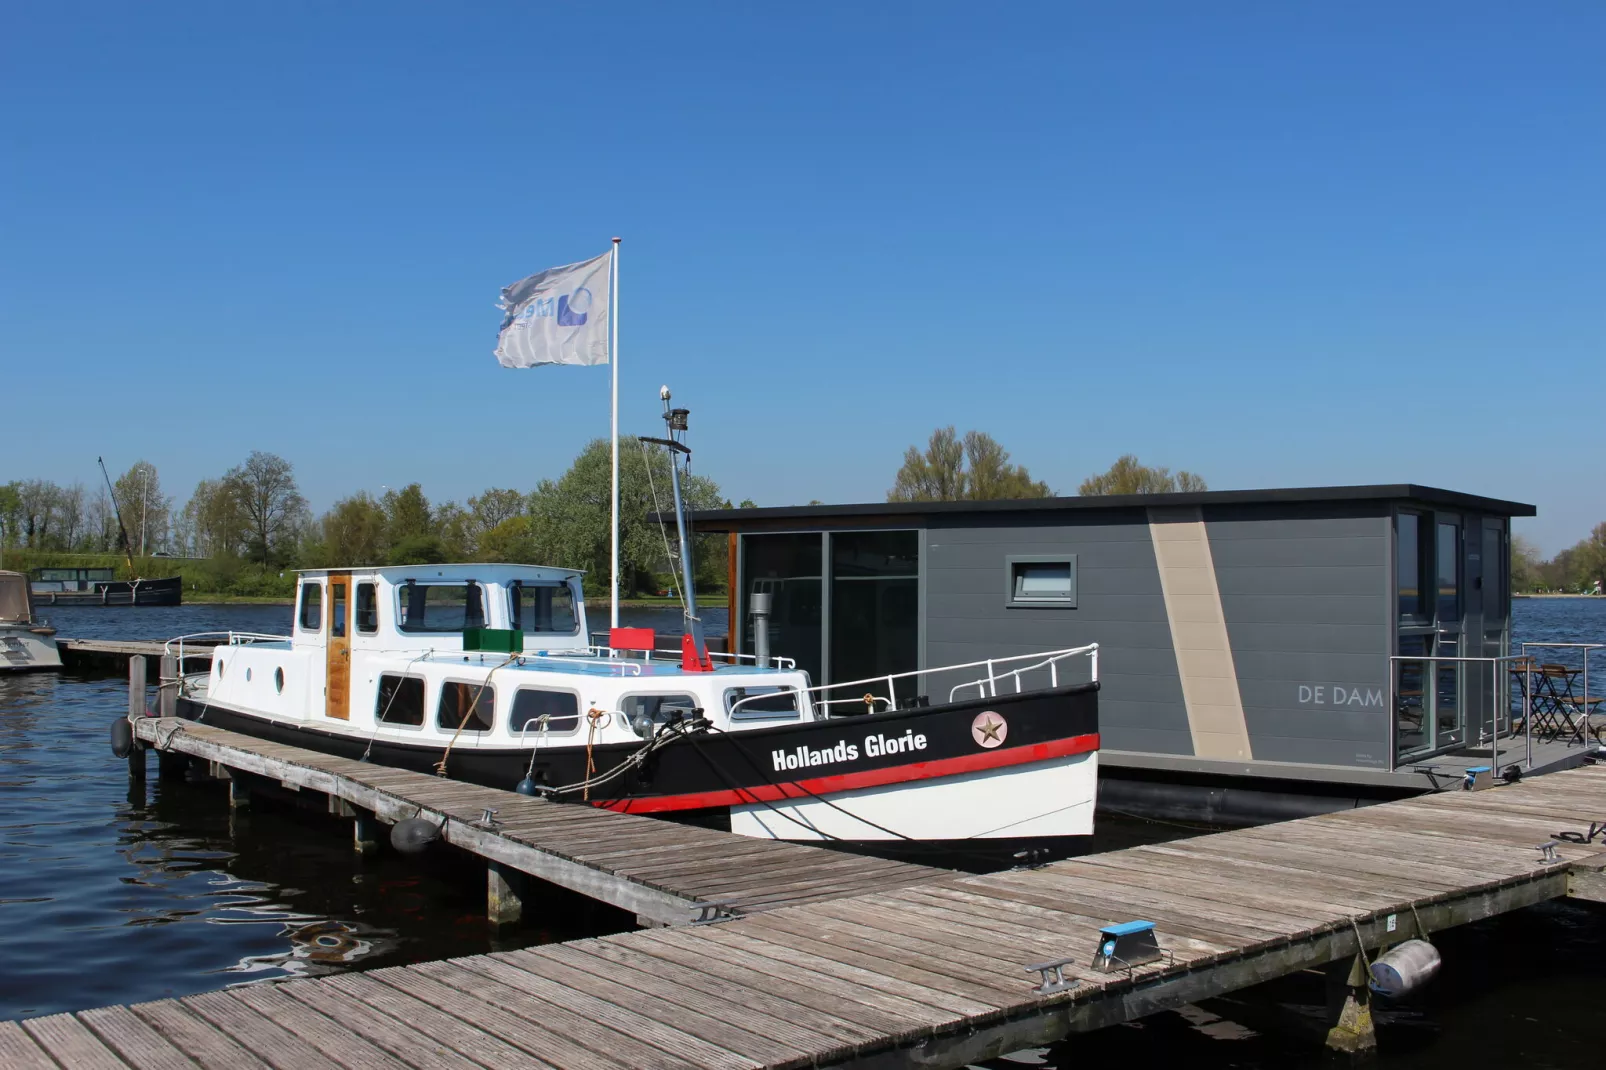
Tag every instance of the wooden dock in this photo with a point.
(113, 655)
(932, 973)
(665, 872)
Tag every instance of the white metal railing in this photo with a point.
(224, 639)
(987, 686)
(602, 650)
(1498, 690)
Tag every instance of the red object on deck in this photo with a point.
(689, 662)
(632, 638)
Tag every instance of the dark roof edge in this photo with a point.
(713, 518)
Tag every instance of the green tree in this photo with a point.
(952, 469)
(270, 506)
(1524, 565)
(570, 515)
(512, 541)
(408, 515)
(144, 507)
(1589, 560)
(353, 532)
(1128, 476)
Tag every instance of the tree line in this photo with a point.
(1581, 568)
(253, 525)
(975, 467)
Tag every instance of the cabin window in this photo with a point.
(473, 706)
(561, 708)
(659, 708)
(400, 701)
(1041, 581)
(761, 703)
(311, 606)
(543, 608)
(439, 607)
(337, 609)
(367, 609)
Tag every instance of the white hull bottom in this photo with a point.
(21, 650)
(1040, 799)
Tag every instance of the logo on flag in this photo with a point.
(555, 317)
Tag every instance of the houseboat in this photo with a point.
(26, 641)
(486, 673)
(100, 587)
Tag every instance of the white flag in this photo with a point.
(557, 316)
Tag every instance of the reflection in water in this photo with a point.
(114, 892)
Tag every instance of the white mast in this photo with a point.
(613, 362)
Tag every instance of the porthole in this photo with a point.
(248, 674)
(278, 680)
(220, 668)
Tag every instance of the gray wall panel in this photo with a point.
(1307, 607)
(1119, 606)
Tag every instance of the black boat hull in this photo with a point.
(707, 772)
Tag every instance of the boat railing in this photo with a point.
(602, 650)
(216, 639)
(998, 671)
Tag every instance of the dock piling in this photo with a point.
(365, 832)
(1349, 1008)
(136, 688)
(503, 903)
(167, 682)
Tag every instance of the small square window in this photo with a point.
(1041, 581)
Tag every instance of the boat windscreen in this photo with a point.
(543, 608)
(14, 597)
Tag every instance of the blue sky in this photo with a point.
(1277, 244)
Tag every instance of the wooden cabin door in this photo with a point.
(337, 678)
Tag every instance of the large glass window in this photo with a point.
(560, 708)
(1496, 577)
(787, 567)
(312, 606)
(1449, 573)
(543, 608)
(1413, 732)
(439, 607)
(875, 604)
(1412, 564)
(473, 706)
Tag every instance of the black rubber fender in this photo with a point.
(122, 737)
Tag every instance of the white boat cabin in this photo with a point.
(380, 653)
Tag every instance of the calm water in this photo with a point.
(112, 895)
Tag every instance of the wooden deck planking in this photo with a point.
(932, 968)
(656, 868)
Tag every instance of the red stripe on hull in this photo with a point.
(869, 778)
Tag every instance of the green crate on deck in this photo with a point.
(494, 640)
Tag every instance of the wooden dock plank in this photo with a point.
(70, 1043)
(789, 1039)
(18, 1051)
(272, 1042)
(844, 1030)
(339, 1045)
(466, 1036)
(195, 1037)
(417, 1049)
(138, 1044)
(598, 1023)
(731, 1032)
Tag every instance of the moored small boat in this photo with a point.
(27, 642)
(485, 673)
